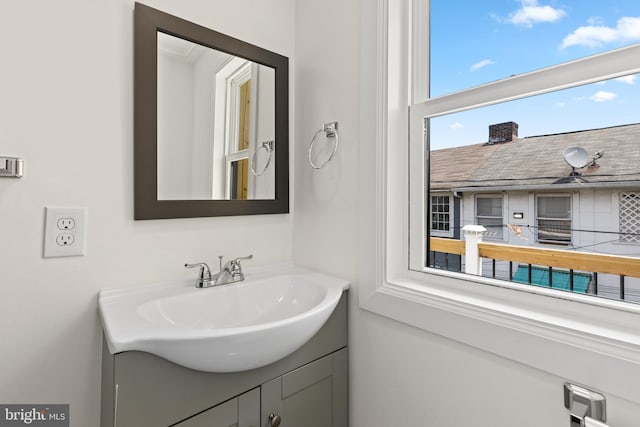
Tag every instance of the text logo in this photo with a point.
(34, 415)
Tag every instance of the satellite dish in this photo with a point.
(577, 157)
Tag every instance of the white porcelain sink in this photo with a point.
(227, 328)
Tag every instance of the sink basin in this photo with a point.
(226, 328)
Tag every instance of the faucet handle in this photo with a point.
(235, 263)
(204, 276)
(236, 268)
(243, 258)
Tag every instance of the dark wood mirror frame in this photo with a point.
(148, 22)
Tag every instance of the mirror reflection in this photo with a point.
(215, 124)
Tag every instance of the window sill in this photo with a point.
(578, 338)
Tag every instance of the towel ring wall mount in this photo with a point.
(331, 131)
(268, 147)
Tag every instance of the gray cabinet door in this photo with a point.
(243, 411)
(314, 395)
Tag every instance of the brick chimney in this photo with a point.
(503, 132)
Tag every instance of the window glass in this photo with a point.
(440, 220)
(599, 105)
(554, 207)
(562, 161)
(554, 218)
(502, 38)
(489, 206)
(489, 215)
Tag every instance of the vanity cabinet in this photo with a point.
(308, 388)
(314, 395)
(242, 411)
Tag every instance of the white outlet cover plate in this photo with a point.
(52, 232)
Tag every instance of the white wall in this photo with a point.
(399, 375)
(264, 185)
(176, 145)
(67, 108)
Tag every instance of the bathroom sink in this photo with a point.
(225, 328)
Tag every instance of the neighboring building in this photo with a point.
(523, 191)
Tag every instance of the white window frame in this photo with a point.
(564, 335)
(233, 153)
(451, 213)
(228, 80)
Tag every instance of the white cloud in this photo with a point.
(595, 20)
(456, 125)
(481, 64)
(602, 96)
(532, 13)
(630, 80)
(590, 36)
(561, 104)
(627, 28)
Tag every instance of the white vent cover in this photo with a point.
(629, 217)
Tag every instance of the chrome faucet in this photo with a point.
(231, 272)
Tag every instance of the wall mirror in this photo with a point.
(211, 132)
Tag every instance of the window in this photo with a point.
(440, 215)
(554, 219)
(238, 123)
(629, 212)
(489, 215)
(394, 205)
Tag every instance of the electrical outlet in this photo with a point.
(65, 239)
(64, 232)
(66, 223)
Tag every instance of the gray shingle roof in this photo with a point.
(538, 161)
(452, 166)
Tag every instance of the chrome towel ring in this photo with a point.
(268, 146)
(331, 131)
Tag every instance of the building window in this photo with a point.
(553, 219)
(629, 211)
(489, 215)
(440, 215)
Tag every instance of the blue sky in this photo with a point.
(476, 42)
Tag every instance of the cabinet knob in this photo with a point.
(274, 420)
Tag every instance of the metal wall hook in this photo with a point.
(331, 131)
